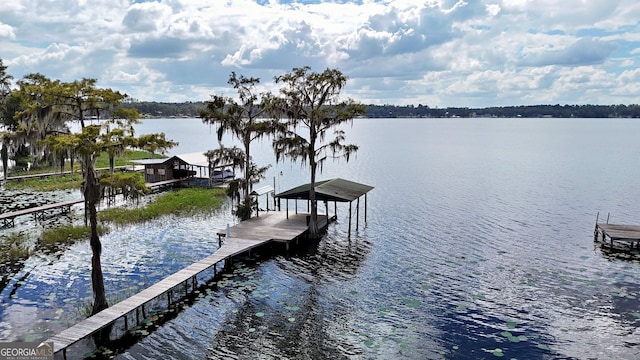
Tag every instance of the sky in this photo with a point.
(437, 53)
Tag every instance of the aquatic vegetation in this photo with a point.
(184, 202)
(66, 234)
(13, 247)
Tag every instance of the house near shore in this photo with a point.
(191, 166)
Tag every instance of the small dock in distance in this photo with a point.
(8, 219)
(617, 234)
(160, 185)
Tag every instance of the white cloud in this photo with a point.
(438, 52)
(7, 31)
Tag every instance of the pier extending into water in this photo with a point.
(617, 234)
(39, 212)
(243, 237)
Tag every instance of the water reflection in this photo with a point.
(273, 306)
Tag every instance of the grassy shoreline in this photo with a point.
(69, 181)
(182, 202)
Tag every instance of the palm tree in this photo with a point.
(242, 120)
(310, 102)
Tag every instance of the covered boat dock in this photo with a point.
(335, 190)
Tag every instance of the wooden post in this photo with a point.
(287, 206)
(357, 214)
(296, 206)
(335, 209)
(365, 209)
(350, 203)
(274, 194)
(257, 206)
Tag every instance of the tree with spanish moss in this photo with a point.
(5, 136)
(244, 120)
(309, 108)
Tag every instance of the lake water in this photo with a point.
(478, 244)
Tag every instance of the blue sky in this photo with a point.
(440, 53)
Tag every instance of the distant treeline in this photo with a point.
(166, 110)
(536, 111)
(192, 109)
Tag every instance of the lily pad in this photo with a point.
(368, 343)
(411, 303)
(518, 338)
(497, 352)
(291, 319)
(260, 314)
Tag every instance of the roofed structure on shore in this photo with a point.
(178, 166)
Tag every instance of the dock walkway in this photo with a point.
(8, 219)
(273, 226)
(162, 184)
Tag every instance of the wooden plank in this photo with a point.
(160, 184)
(619, 232)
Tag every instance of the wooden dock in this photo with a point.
(617, 233)
(154, 186)
(272, 226)
(39, 212)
